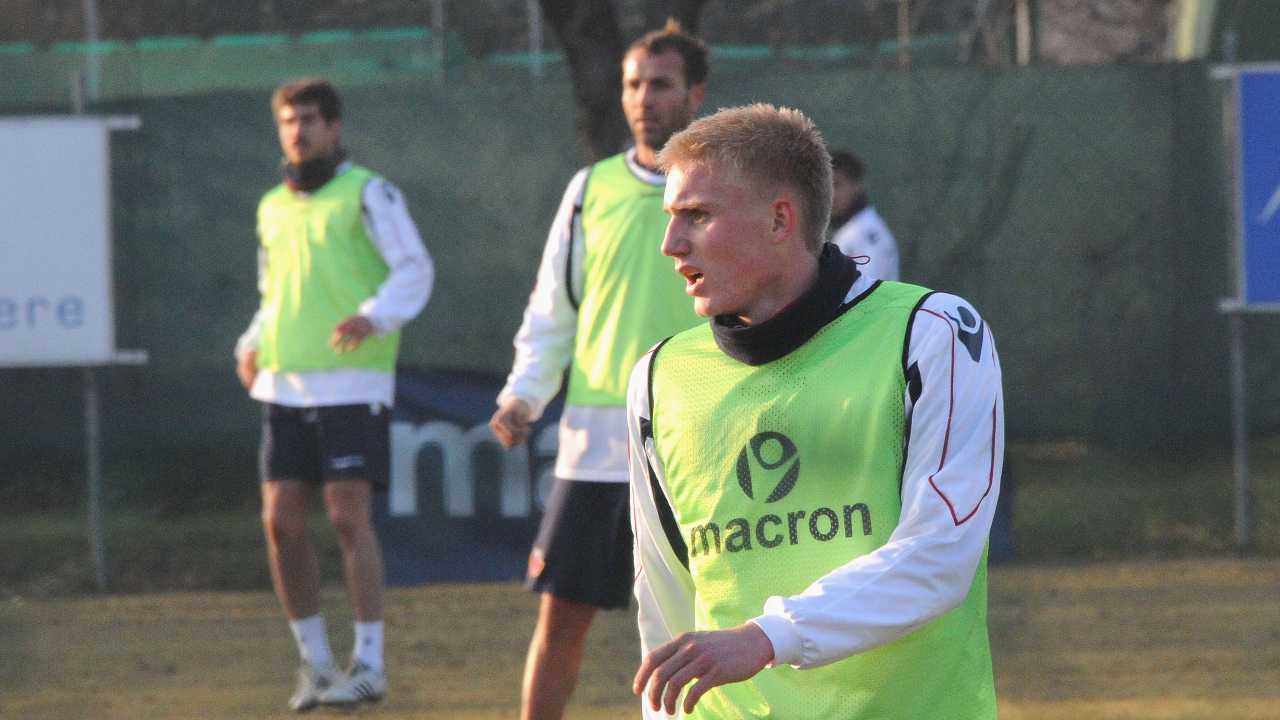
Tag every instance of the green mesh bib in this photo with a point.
(321, 265)
(631, 297)
(782, 472)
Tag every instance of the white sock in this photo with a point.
(313, 641)
(368, 649)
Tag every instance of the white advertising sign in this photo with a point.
(55, 247)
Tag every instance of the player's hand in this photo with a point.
(350, 333)
(712, 658)
(511, 422)
(247, 368)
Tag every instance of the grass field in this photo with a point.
(1127, 603)
(1071, 504)
(1170, 639)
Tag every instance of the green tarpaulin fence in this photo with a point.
(1081, 209)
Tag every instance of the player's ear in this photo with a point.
(783, 217)
(696, 94)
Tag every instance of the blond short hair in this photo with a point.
(768, 147)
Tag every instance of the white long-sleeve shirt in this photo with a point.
(866, 236)
(398, 300)
(593, 439)
(950, 484)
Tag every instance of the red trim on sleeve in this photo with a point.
(991, 473)
(946, 439)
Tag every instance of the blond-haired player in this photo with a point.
(814, 471)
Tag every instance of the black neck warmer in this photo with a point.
(310, 175)
(797, 322)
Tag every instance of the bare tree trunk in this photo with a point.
(688, 12)
(588, 32)
(904, 35)
(593, 44)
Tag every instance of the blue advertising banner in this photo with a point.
(458, 506)
(1259, 93)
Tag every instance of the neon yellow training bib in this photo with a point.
(321, 264)
(632, 297)
(782, 472)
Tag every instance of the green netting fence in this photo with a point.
(1081, 209)
(181, 65)
(176, 65)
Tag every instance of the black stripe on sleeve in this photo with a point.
(665, 513)
(906, 339)
(914, 387)
(915, 384)
(568, 261)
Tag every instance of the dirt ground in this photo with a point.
(1162, 639)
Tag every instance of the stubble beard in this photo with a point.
(668, 130)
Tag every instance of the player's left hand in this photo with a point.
(350, 333)
(712, 658)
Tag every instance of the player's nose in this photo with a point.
(673, 243)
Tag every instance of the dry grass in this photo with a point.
(1071, 503)
(1170, 640)
(1174, 639)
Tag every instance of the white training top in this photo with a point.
(865, 236)
(950, 483)
(593, 439)
(399, 299)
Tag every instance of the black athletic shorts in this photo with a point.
(583, 549)
(339, 442)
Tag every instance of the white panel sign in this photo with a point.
(55, 249)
